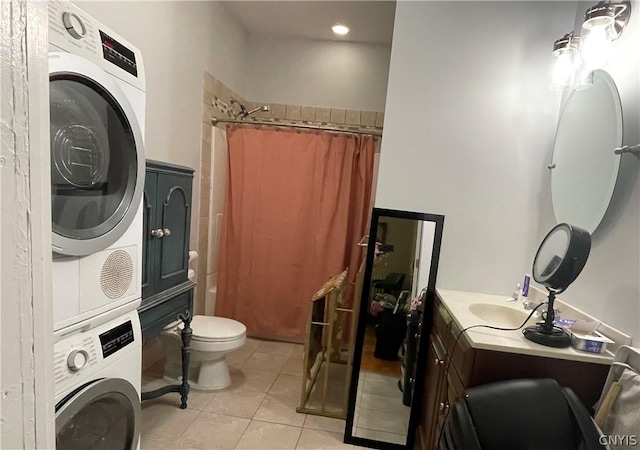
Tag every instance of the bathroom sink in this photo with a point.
(498, 315)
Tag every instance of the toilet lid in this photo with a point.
(216, 329)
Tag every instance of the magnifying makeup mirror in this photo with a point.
(560, 259)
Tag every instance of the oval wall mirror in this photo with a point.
(585, 167)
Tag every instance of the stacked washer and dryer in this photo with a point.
(97, 110)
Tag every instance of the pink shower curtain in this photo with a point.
(297, 204)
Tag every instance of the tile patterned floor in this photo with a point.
(380, 413)
(258, 410)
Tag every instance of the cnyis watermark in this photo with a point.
(628, 440)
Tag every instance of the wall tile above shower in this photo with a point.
(308, 114)
(368, 118)
(352, 117)
(278, 111)
(323, 115)
(337, 115)
(294, 112)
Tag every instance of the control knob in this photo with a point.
(74, 25)
(77, 359)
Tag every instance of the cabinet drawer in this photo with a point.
(153, 320)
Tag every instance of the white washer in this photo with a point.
(97, 372)
(97, 110)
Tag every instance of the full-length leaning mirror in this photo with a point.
(395, 315)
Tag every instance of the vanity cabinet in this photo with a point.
(446, 381)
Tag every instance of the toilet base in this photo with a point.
(209, 375)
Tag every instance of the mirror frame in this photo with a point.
(418, 387)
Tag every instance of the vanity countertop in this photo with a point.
(458, 303)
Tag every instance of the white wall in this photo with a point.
(179, 41)
(469, 125)
(26, 325)
(609, 286)
(317, 73)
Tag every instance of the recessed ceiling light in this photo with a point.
(340, 29)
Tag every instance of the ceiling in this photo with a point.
(369, 21)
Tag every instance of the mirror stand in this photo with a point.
(546, 333)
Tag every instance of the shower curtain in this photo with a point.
(297, 203)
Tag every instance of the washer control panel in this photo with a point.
(85, 351)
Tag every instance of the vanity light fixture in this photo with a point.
(564, 49)
(340, 29)
(603, 24)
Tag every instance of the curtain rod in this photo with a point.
(215, 121)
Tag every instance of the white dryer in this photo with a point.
(97, 112)
(97, 372)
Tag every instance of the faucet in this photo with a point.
(542, 311)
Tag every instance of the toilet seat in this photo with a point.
(217, 329)
(214, 329)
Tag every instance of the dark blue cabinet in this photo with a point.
(167, 293)
(167, 221)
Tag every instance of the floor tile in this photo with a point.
(293, 366)
(277, 348)
(381, 421)
(384, 388)
(324, 423)
(378, 435)
(253, 380)
(263, 435)
(287, 387)
(275, 410)
(164, 422)
(265, 362)
(238, 357)
(236, 402)
(251, 343)
(150, 444)
(214, 431)
(382, 403)
(319, 439)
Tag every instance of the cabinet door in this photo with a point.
(174, 217)
(149, 221)
(433, 387)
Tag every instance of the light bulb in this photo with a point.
(340, 29)
(563, 70)
(596, 42)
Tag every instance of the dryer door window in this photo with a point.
(97, 155)
(102, 415)
(93, 158)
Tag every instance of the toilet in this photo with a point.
(212, 339)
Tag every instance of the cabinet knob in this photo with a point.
(444, 406)
(439, 361)
(157, 233)
(167, 231)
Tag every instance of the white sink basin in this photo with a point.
(498, 315)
